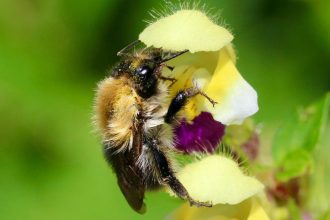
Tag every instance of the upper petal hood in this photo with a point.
(175, 32)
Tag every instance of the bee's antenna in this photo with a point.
(123, 51)
(174, 56)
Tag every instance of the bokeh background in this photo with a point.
(52, 54)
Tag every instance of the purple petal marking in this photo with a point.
(251, 146)
(202, 135)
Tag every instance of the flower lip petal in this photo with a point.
(186, 29)
(250, 209)
(219, 180)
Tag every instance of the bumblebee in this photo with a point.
(136, 123)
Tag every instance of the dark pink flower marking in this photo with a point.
(202, 135)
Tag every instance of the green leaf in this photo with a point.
(297, 138)
(318, 194)
(325, 216)
(294, 210)
(294, 165)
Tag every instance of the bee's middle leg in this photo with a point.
(168, 176)
(180, 100)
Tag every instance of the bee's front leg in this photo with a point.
(168, 176)
(172, 80)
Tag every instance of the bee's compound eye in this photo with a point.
(144, 71)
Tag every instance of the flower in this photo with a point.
(219, 179)
(250, 209)
(210, 63)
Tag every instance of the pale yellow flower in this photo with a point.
(219, 180)
(249, 209)
(210, 62)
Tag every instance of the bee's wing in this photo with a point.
(128, 175)
(133, 190)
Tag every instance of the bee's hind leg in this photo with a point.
(168, 176)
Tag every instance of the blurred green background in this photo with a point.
(52, 54)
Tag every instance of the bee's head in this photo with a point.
(144, 68)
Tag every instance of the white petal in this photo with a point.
(240, 103)
(236, 99)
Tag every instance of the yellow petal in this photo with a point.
(257, 212)
(186, 29)
(186, 76)
(236, 99)
(218, 179)
(183, 75)
(249, 209)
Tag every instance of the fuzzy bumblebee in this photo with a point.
(136, 123)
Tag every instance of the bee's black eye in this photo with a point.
(145, 71)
